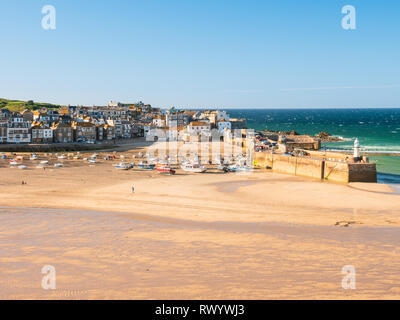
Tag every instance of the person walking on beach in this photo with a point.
(133, 189)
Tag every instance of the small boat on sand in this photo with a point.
(153, 160)
(123, 166)
(240, 165)
(193, 167)
(146, 165)
(33, 157)
(13, 163)
(22, 167)
(238, 168)
(58, 165)
(165, 169)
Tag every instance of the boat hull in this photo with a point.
(148, 167)
(194, 170)
(166, 170)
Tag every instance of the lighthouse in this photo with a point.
(356, 155)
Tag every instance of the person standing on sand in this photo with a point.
(133, 190)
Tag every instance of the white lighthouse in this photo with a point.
(356, 150)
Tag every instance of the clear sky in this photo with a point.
(204, 53)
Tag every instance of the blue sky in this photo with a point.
(208, 53)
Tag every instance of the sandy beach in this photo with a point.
(260, 235)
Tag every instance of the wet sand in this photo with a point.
(100, 255)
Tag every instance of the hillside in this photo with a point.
(16, 105)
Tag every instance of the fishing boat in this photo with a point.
(163, 168)
(238, 168)
(193, 167)
(123, 166)
(58, 165)
(91, 160)
(3, 156)
(33, 157)
(13, 163)
(146, 165)
(240, 165)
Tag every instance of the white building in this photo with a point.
(114, 104)
(159, 121)
(175, 118)
(224, 125)
(146, 130)
(18, 130)
(199, 127)
(356, 154)
(41, 133)
(175, 133)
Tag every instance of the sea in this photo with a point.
(378, 130)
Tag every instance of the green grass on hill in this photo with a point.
(18, 106)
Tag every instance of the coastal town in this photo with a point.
(193, 139)
(116, 121)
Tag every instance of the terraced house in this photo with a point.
(5, 114)
(3, 131)
(85, 131)
(18, 130)
(41, 133)
(46, 115)
(27, 115)
(117, 124)
(63, 132)
(105, 132)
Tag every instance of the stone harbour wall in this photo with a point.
(320, 169)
